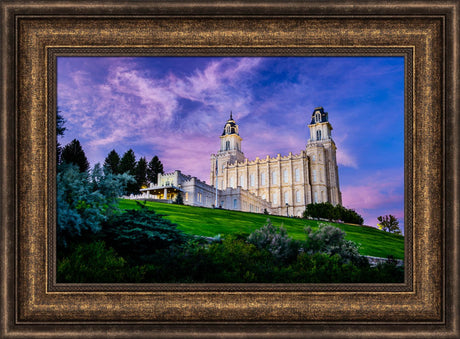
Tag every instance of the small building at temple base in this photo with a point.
(197, 193)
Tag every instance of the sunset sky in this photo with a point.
(176, 108)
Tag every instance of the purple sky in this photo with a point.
(176, 108)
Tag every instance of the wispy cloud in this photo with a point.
(177, 112)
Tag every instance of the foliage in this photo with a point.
(349, 215)
(326, 210)
(137, 234)
(330, 240)
(73, 153)
(275, 240)
(141, 173)
(154, 168)
(94, 263)
(84, 201)
(179, 199)
(128, 165)
(389, 223)
(112, 163)
(59, 132)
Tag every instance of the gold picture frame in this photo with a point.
(426, 304)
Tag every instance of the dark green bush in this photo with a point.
(94, 263)
(137, 234)
(326, 210)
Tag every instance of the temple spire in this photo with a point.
(231, 116)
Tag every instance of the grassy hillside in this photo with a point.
(210, 222)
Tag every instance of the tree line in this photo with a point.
(142, 172)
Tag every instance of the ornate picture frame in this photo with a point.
(33, 35)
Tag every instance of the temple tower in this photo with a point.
(321, 150)
(229, 153)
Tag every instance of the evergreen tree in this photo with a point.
(128, 165)
(59, 132)
(73, 153)
(179, 200)
(141, 173)
(112, 163)
(155, 167)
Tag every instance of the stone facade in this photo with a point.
(288, 183)
(197, 193)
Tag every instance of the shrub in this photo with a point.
(330, 240)
(94, 263)
(327, 211)
(276, 241)
(137, 234)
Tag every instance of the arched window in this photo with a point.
(251, 179)
(314, 175)
(231, 182)
(285, 176)
(275, 199)
(318, 135)
(297, 174)
(286, 197)
(229, 130)
(274, 178)
(262, 179)
(234, 203)
(227, 145)
(316, 197)
(297, 196)
(318, 117)
(241, 181)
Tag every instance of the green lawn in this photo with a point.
(211, 222)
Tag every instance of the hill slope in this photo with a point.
(211, 222)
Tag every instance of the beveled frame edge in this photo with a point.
(451, 217)
(33, 68)
(54, 52)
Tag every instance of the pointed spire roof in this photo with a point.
(230, 126)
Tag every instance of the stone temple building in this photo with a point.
(282, 185)
(288, 183)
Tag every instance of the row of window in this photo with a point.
(286, 197)
(274, 178)
(263, 178)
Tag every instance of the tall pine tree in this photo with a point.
(59, 132)
(73, 153)
(128, 165)
(155, 167)
(141, 173)
(112, 163)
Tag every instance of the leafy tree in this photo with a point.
(389, 223)
(112, 162)
(128, 165)
(141, 173)
(84, 202)
(73, 153)
(155, 167)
